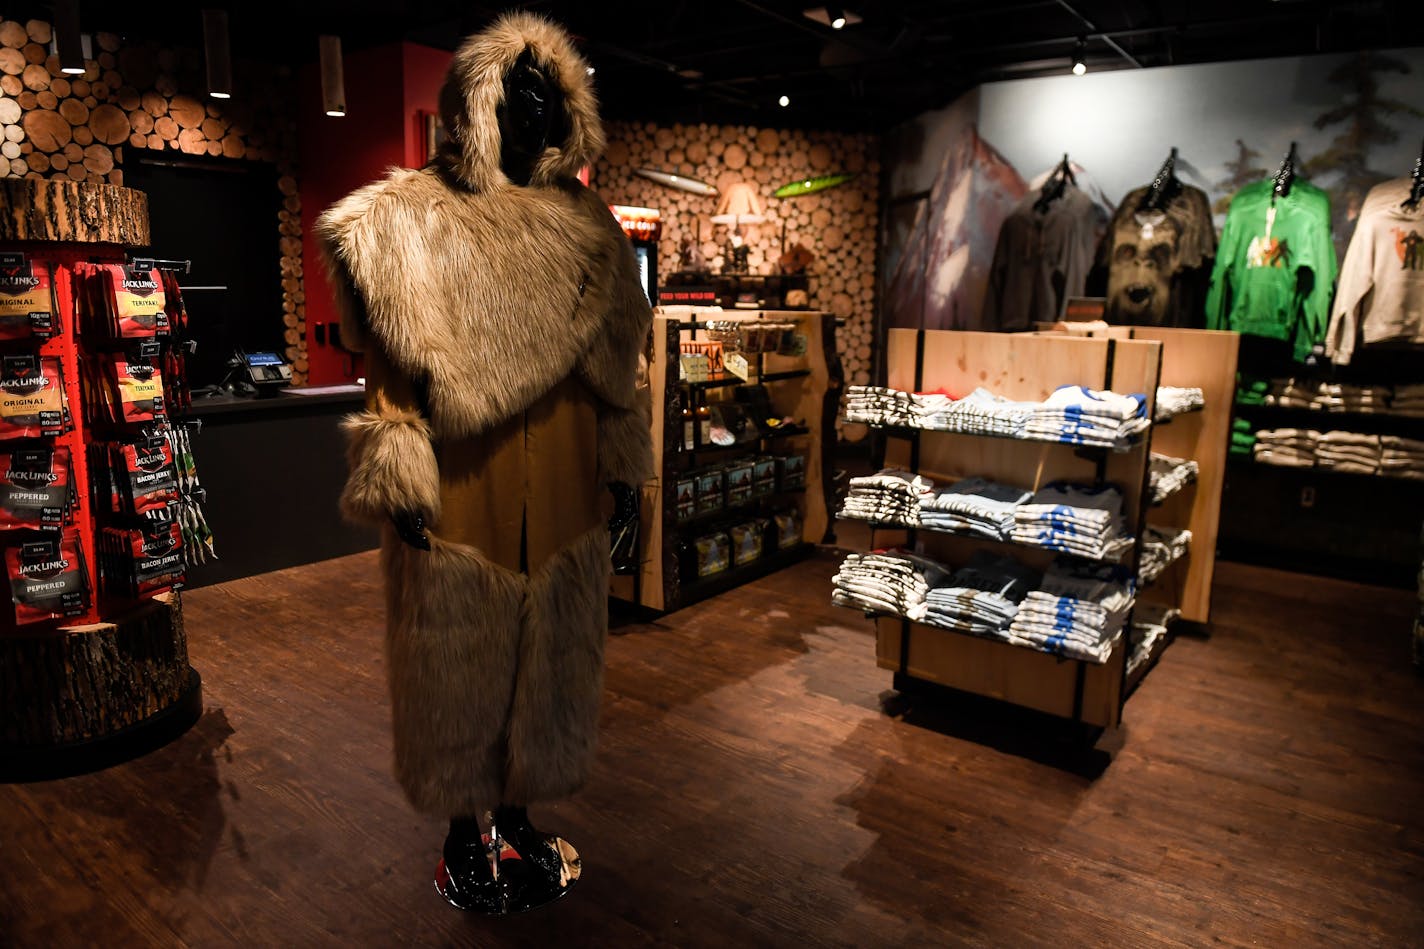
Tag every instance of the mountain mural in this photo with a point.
(943, 267)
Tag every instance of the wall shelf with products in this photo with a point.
(743, 465)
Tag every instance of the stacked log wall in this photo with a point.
(138, 97)
(839, 225)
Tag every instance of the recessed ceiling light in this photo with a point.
(785, 101)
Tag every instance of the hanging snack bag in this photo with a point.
(135, 390)
(47, 578)
(34, 487)
(145, 475)
(137, 303)
(27, 309)
(145, 561)
(32, 401)
(173, 304)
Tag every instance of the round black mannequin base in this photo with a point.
(519, 887)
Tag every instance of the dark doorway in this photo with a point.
(221, 215)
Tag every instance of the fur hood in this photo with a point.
(474, 87)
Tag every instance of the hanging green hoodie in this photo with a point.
(1275, 277)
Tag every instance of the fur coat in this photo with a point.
(502, 326)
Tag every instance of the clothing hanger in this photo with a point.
(1416, 189)
(1285, 176)
(1053, 188)
(1164, 187)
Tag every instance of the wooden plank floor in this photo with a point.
(1265, 790)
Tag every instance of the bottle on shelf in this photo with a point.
(687, 425)
(704, 424)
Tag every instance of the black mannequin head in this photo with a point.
(531, 118)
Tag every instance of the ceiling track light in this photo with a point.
(333, 76)
(217, 53)
(69, 43)
(1080, 57)
(836, 17)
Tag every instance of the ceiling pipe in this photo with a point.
(1105, 37)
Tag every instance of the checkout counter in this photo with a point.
(274, 468)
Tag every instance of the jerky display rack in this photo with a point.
(102, 511)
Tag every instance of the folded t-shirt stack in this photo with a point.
(976, 505)
(1080, 416)
(1251, 390)
(1401, 457)
(1077, 519)
(1243, 437)
(1161, 547)
(1176, 400)
(889, 497)
(1149, 624)
(1348, 451)
(877, 405)
(1169, 475)
(1292, 447)
(981, 597)
(892, 582)
(981, 412)
(1327, 396)
(1077, 611)
(1408, 400)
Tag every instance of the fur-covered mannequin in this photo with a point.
(502, 322)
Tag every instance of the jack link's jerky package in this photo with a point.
(32, 401)
(137, 303)
(35, 486)
(27, 309)
(157, 558)
(141, 562)
(173, 303)
(47, 578)
(136, 386)
(143, 476)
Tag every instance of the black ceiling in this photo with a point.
(683, 60)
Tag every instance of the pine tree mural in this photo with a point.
(1244, 170)
(1365, 116)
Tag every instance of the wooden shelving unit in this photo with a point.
(1021, 367)
(1204, 359)
(806, 388)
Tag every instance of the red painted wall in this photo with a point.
(381, 129)
(424, 73)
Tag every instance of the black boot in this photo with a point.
(464, 876)
(539, 851)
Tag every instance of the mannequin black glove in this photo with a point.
(410, 526)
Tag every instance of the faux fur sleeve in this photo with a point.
(610, 366)
(392, 460)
